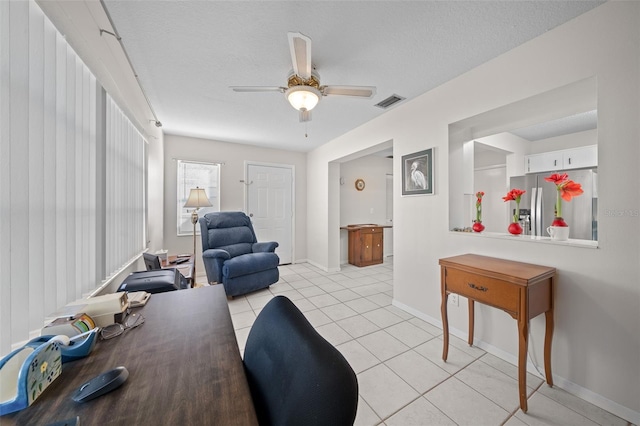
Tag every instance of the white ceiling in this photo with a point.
(559, 127)
(187, 54)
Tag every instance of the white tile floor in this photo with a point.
(397, 357)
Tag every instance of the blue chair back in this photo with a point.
(230, 231)
(296, 377)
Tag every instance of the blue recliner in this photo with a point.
(232, 256)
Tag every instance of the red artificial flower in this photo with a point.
(514, 195)
(557, 178)
(567, 189)
(570, 189)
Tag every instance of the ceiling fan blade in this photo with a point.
(305, 115)
(258, 89)
(357, 91)
(300, 47)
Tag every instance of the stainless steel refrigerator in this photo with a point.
(537, 205)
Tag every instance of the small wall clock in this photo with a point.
(359, 184)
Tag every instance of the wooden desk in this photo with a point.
(522, 290)
(366, 244)
(184, 368)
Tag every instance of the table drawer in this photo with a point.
(371, 230)
(499, 294)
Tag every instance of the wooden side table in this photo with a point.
(523, 290)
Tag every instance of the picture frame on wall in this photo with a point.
(417, 173)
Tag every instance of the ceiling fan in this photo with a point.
(303, 89)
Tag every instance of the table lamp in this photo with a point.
(197, 198)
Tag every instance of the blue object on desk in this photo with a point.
(76, 349)
(26, 372)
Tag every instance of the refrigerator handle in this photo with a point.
(533, 214)
(540, 231)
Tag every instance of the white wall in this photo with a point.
(368, 205)
(574, 140)
(495, 212)
(232, 191)
(596, 346)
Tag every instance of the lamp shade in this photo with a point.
(197, 198)
(303, 97)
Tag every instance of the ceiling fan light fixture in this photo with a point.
(303, 97)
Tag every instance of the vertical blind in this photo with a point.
(125, 193)
(66, 154)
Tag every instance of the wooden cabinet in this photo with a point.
(576, 158)
(365, 244)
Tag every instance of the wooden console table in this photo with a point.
(366, 244)
(523, 290)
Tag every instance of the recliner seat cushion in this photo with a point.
(249, 264)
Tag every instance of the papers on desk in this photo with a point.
(138, 298)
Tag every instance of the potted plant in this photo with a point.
(514, 195)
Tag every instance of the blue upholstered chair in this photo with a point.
(232, 256)
(295, 376)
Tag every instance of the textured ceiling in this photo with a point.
(559, 127)
(188, 53)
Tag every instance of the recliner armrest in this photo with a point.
(216, 253)
(265, 247)
(213, 260)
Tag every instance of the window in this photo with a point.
(192, 174)
(72, 196)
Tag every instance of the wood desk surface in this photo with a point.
(184, 368)
(507, 270)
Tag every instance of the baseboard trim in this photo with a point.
(324, 268)
(588, 395)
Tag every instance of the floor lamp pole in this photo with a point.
(197, 198)
(194, 220)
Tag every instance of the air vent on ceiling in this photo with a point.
(391, 100)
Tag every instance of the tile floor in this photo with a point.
(397, 357)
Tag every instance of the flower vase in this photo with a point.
(558, 221)
(477, 226)
(515, 228)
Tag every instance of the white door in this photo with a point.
(270, 205)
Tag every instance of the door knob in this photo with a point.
(250, 214)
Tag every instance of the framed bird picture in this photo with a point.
(417, 173)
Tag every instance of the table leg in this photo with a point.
(445, 329)
(548, 335)
(471, 320)
(445, 321)
(523, 343)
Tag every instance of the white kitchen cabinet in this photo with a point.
(579, 158)
(543, 162)
(575, 158)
